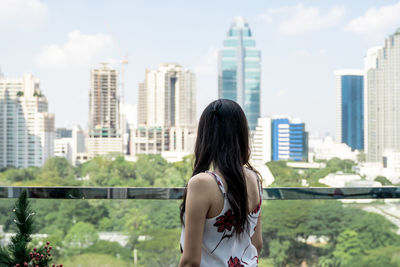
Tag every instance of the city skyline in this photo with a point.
(300, 41)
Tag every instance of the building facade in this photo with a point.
(70, 143)
(167, 98)
(262, 141)
(382, 81)
(239, 70)
(350, 108)
(166, 112)
(104, 117)
(289, 139)
(26, 128)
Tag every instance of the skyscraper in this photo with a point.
(239, 74)
(104, 124)
(26, 128)
(289, 139)
(350, 108)
(383, 98)
(167, 98)
(166, 112)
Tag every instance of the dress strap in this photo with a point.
(219, 182)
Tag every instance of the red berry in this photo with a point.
(34, 249)
(50, 247)
(48, 243)
(25, 264)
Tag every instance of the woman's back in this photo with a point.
(220, 213)
(220, 244)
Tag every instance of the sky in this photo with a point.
(302, 44)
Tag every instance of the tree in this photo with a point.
(279, 251)
(165, 244)
(17, 252)
(284, 175)
(136, 224)
(79, 237)
(348, 246)
(383, 180)
(151, 167)
(110, 248)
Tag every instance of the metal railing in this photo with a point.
(272, 193)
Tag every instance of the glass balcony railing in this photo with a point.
(127, 226)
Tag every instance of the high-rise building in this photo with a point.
(166, 112)
(167, 98)
(104, 124)
(262, 141)
(26, 128)
(289, 139)
(239, 74)
(382, 111)
(350, 108)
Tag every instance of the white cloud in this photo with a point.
(282, 92)
(308, 19)
(208, 63)
(307, 53)
(269, 14)
(303, 53)
(376, 20)
(303, 19)
(79, 50)
(21, 14)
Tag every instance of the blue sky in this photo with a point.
(302, 43)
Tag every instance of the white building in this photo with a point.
(326, 149)
(63, 148)
(262, 141)
(347, 180)
(26, 128)
(105, 134)
(70, 147)
(167, 98)
(166, 113)
(391, 165)
(383, 98)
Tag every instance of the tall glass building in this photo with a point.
(350, 108)
(239, 70)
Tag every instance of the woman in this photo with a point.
(220, 212)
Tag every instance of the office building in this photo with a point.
(167, 98)
(261, 152)
(239, 70)
(26, 128)
(166, 113)
(289, 139)
(104, 116)
(382, 66)
(72, 144)
(350, 108)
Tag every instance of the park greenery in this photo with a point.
(295, 233)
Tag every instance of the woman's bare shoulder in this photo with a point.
(201, 181)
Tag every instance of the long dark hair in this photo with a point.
(223, 142)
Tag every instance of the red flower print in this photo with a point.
(234, 262)
(225, 221)
(256, 209)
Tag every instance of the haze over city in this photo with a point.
(302, 43)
